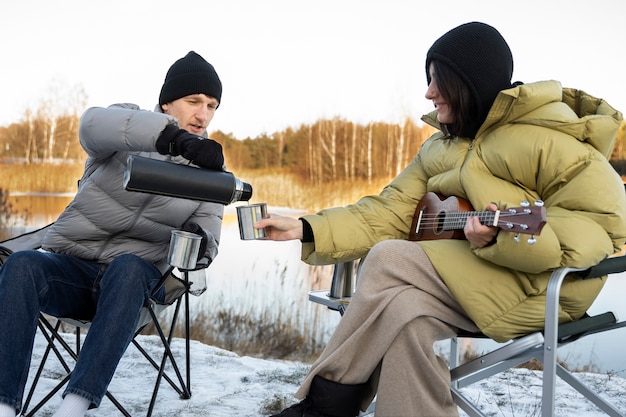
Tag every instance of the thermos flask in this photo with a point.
(171, 179)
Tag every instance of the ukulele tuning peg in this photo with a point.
(516, 238)
(532, 240)
(524, 203)
(539, 203)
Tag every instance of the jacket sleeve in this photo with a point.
(120, 127)
(346, 233)
(586, 221)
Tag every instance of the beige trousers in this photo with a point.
(400, 308)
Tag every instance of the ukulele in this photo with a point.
(438, 217)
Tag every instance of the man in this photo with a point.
(107, 251)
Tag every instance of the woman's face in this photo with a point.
(445, 113)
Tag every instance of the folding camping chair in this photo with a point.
(542, 345)
(177, 290)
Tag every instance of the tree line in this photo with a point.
(327, 150)
(330, 149)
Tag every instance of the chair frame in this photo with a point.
(56, 344)
(541, 345)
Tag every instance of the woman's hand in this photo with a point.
(280, 227)
(478, 234)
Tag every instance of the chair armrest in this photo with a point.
(174, 288)
(611, 265)
(29, 240)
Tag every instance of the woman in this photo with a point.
(498, 145)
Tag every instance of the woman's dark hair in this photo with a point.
(457, 94)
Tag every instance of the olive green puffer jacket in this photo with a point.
(539, 142)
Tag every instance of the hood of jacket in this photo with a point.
(546, 103)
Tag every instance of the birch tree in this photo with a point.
(30, 137)
(370, 135)
(328, 143)
(353, 153)
(400, 150)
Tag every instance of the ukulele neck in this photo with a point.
(455, 221)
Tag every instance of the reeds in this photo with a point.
(277, 187)
(41, 178)
(284, 189)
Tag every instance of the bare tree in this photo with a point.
(60, 101)
(30, 136)
(280, 147)
(400, 151)
(328, 142)
(46, 113)
(353, 153)
(77, 101)
(370, 135)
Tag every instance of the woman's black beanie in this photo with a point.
(191, 74)
(479, 54)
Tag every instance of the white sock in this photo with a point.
(73, 406)
(6, 410)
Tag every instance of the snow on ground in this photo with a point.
(227, 385)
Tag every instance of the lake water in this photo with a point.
(268, 279)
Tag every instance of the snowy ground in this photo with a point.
(226, 385)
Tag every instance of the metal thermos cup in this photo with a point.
(184, 247)
(248, 215)
(343, 280)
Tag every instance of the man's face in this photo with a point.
(193, 112)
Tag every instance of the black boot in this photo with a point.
(328, 399)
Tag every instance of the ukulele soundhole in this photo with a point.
(441, 218)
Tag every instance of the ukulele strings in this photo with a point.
(460, 217)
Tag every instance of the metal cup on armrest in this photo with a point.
(184, 248)
(342, 285)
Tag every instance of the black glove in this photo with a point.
(195, 228)
(203, 152)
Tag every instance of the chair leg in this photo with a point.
(454, 357)
(590, 395)
(187, 343)
(51, 333)
(44, 358)
(183, 387)
(466, 405)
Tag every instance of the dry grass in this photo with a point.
(40, 178)
(281, 188)
(276, 187)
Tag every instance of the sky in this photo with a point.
(284, 63)
(224, 384)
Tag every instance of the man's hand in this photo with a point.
(478, 234)
(195, 228)
(203, 152)
(280, 227)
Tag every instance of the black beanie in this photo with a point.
(479, 54)
(190, 75)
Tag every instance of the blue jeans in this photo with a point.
(111, 296)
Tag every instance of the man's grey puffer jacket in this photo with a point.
(104, 220)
